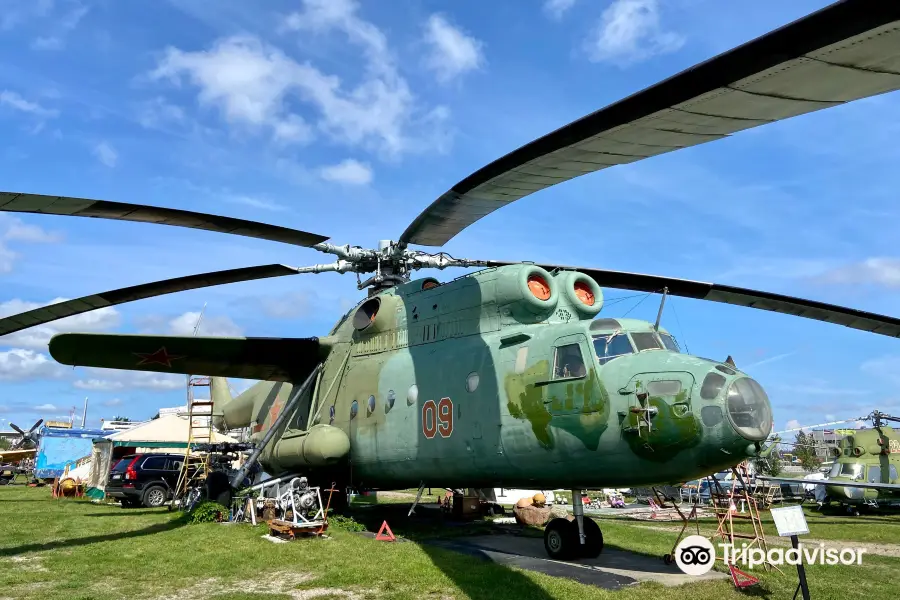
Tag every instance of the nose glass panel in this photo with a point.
(748, 409)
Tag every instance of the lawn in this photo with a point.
(74, 549)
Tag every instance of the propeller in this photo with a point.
(844, 52)
(28, 438)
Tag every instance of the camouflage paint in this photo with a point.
(516, 428)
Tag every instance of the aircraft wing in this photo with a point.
(835, 482)
(270, 359)
(11, 456)
(842, 53)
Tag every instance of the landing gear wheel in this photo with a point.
(593, 539)
(667, 558)
(561, 539)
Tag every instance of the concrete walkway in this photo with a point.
(613, 569)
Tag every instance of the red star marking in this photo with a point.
(160, 357)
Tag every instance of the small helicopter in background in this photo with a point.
(866, 468)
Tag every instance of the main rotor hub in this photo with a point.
(390, 264)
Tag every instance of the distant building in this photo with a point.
(825, 440)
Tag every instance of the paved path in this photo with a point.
(613, 569)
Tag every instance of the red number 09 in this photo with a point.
(437, 418)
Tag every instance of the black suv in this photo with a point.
(144, 479)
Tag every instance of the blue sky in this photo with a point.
(347, 119)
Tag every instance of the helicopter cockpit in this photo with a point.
(619, 343)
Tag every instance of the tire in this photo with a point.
(154, 496)
(561, 539)
(593, 543)
(218, 488)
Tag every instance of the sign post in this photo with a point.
(791, 522)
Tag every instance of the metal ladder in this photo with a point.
(199, 432)
(725, 505)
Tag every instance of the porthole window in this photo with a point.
(472, 381)
(412, 395)
(389, 404)
(331, 415)
(371, 404)
(354, 408)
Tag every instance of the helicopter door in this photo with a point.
(569, 388)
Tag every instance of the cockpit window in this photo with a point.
(568, 362)
(646, 341)
(669, 342)
(851, 470)
(612, 346)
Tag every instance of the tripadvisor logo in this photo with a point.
(695, 555)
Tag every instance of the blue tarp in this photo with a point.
(60, 447)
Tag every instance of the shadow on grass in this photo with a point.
(93, 539)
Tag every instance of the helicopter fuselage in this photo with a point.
(504, 378)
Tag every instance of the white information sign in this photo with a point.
(790, 520)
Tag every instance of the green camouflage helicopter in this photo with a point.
(865, 468)
(504, 377)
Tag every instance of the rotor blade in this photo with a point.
(36, 425)
(789, 305)
(270, 359)
(16, 427)
(103, 209)
(844, 52)
(61, 310)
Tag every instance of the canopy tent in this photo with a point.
(168, 433)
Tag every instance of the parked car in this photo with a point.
(144, 479)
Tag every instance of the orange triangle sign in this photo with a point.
(740, 578)
(385, 538)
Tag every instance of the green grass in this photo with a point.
(74, 549)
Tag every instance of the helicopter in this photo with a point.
(507, 376)
(865, 467)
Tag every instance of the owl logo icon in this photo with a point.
(695, 555)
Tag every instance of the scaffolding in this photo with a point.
(200, 431)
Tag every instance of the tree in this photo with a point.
(771, 465)
(5, 444)
(123, 419)
(805, 451)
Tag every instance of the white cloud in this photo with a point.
(218, 326)
(60, 26)
(878, 271)
(155, 113)
(113, 402)
(452, 52)
(106, 154)
(887, 367)
(183, 324)
(830, 418)
(258, 87)
(289, 306)
(38, 337)
(47, 43)
(557, 8)
(630, 31)
(12, 229)
(15, 101)
(348, 171)
(19, 364)
(124, 379)
(256, 203)
(98, 385)
(47, 407)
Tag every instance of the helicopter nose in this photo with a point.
(748, 409)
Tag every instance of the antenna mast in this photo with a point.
(661, 305)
